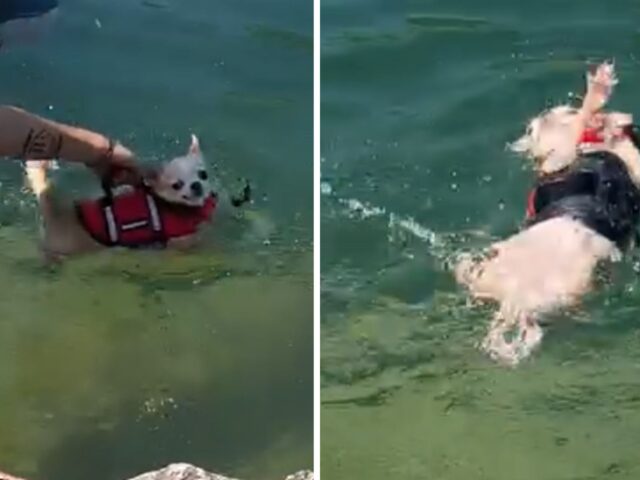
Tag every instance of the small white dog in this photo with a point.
(165, 210)
(583, 211)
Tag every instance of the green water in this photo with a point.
(123, 362)
(419, 99)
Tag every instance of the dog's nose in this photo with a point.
(196, 189)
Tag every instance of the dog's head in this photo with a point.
(550, 139)
(184, 180)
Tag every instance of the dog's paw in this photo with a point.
(604, 74)
(602, 80)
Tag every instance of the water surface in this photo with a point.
(419, 98)
(120, 363)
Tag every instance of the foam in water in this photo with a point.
(410, 225)
(397, 224)
(325, 188)
(363, 210)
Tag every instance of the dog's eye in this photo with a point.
(177, 185)
(202, 175)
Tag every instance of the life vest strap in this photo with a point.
(112, 227)
(156, 223)
(134, 225)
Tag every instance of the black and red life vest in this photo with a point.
(590, 136)
(141, 219)
(595, 190)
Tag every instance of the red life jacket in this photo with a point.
(140, 218)
(591, 135)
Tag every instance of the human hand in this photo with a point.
(117, 164)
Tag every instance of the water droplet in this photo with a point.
(325, 188)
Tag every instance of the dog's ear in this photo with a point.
(194, 149)
(526, 144)
(521, 145)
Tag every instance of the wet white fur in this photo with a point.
(62, 233)
(184, 170)
(551, 264)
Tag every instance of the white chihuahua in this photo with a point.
(583, 211)
(166, 210)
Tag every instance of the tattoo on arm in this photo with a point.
(42, 144)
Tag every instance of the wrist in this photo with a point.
(103, 150)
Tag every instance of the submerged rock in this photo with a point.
(301, 475)
(184, 471)
(181, 471)
(6, 476)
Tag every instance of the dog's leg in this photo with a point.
(525, 332)
(495, 344)
(38, 180)
(600, 85)
(36, 171)
(61, 232)
(529, 336)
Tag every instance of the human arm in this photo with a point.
(25, 135)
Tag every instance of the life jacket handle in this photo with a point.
(107, 189)
(107, 179)
(107, 183)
